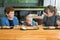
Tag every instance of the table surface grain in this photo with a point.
(40, 34)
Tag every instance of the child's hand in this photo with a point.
(58, 26)
(16, 27)
(51, 27)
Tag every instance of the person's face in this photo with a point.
(49, 13)
(11, 14)
(28, 20)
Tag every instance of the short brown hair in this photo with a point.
(51, 8)
(8, 9)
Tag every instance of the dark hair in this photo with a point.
(8, 9)
(51, 8)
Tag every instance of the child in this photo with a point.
(9, 20)
(30, 21)
(50, 16)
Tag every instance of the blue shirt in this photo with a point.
(5, 21)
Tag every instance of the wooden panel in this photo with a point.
(29, 9)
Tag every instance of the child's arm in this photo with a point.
(36, 23)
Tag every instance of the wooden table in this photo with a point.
(41, 34)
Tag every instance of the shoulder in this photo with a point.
(15, 17)
(4, 18)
